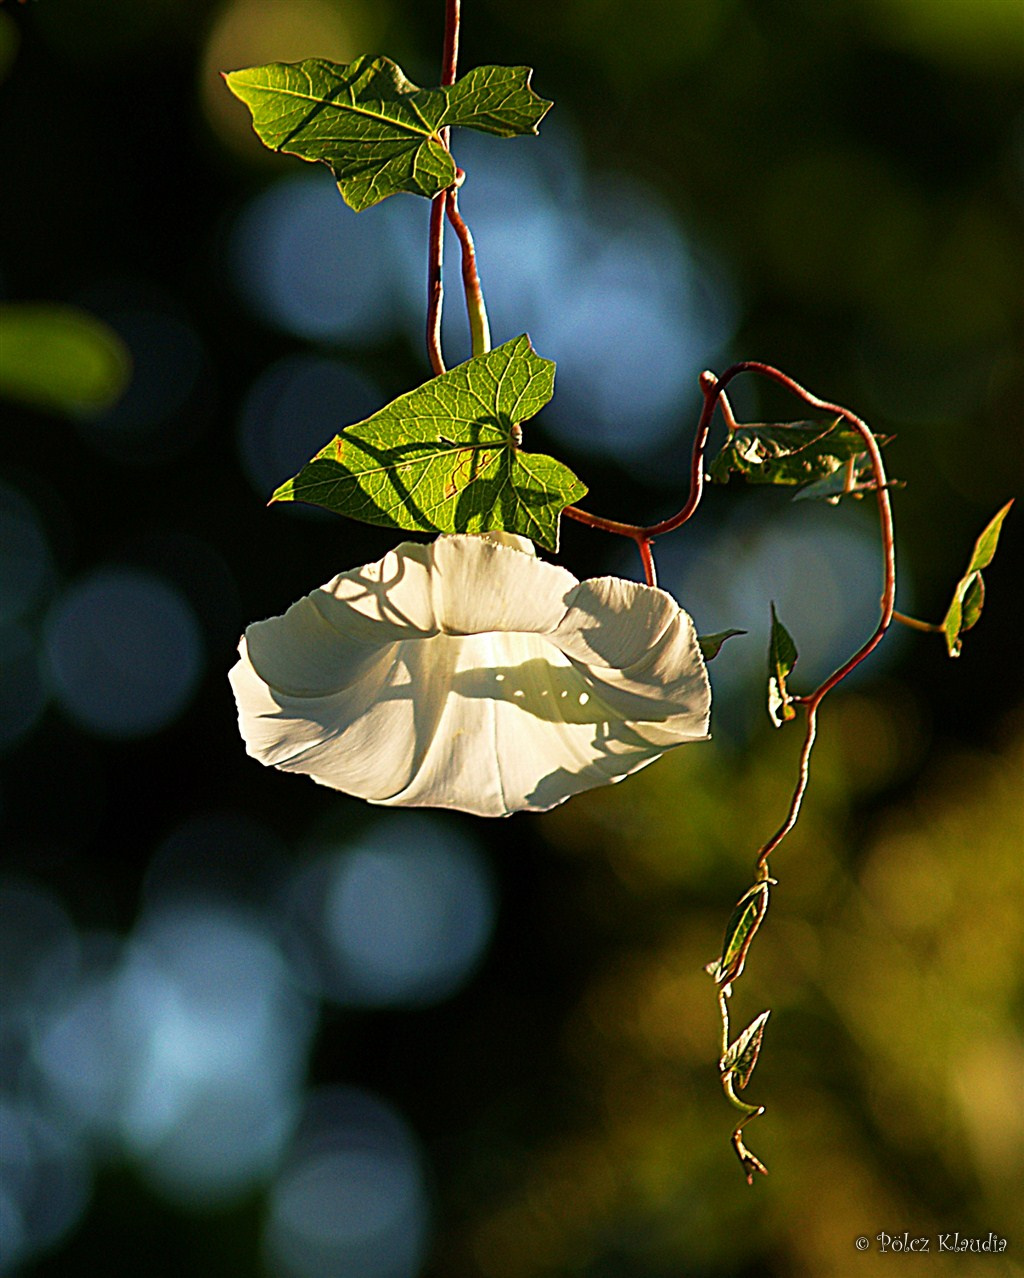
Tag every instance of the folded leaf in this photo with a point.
(445, 458)
(969, 596)
(739, 932)
(377, 131)
(743, 1053)
(782, 656)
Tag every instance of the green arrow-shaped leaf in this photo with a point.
(782, 656)
(60, 358)
(969, 596)
(711, 645)
(743, 1053)
(792, 453)
(444, 458)
(377, 131)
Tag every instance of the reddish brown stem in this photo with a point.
(632, 531)
(887, 607)
(644, 545)
(713, 389)
(644, 536)
(795, 803)
(435, 284)
(710, 387)
(813, 701)
(605, 525)
(884, 516)
(435, 242)
(730, 421)
(450, 56)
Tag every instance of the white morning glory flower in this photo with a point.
(469, 674)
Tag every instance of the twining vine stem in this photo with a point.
(713, 389)
(435, 284)
(479, 329)
(446, 204)
(887, 607)
(435, 241)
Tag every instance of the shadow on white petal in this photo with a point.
(613, 622)
(555, 693)
(382, 602)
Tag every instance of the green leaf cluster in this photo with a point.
(445, 458)
(827, 460)
(969, 595)
(377, 132)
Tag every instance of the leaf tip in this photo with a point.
(711, 645)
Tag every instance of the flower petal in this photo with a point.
(324, 642)
(502, 727)
(482, 585)
(383, 601)
(612, 622)
(644, 658)
(331, 737)
(469, 674)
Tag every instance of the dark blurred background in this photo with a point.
(254, 1027)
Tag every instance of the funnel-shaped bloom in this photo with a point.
(469, 674)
